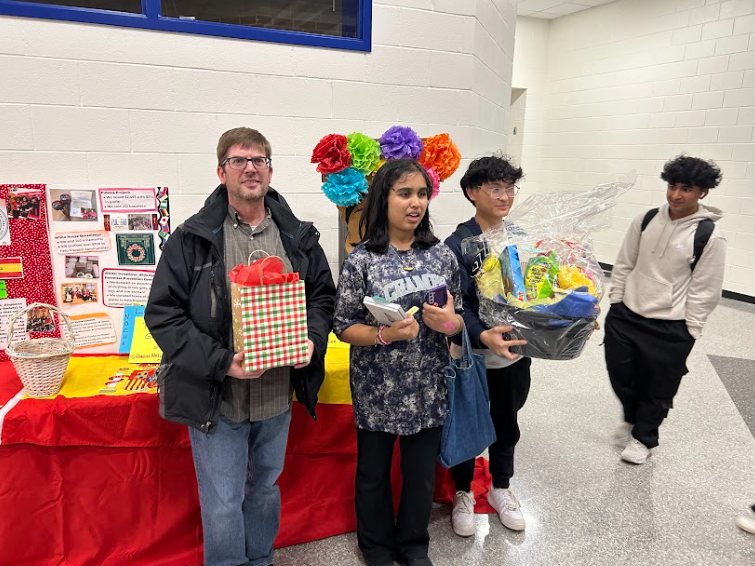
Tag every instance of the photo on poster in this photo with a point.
(142, 222)
(24, 203)
(78, 293)
(135, 249)
(40, 319)
(82, 267)
(73, 205)
(115, 222)
(132, 222)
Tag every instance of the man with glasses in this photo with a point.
(490, 185)
(238, 421)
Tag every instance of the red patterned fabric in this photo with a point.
(29, 241)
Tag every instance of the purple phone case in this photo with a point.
(437, 296)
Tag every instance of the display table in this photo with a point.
(94, 476)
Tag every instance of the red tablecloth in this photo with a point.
(104, 480)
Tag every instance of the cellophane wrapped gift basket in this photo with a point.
(538, 272)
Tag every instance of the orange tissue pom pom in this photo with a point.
(441, 154)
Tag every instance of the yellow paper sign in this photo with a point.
(144, 349)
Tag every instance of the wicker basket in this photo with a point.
(41, 363)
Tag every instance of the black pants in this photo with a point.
(382, 535)
(646, 360)
(508, 389)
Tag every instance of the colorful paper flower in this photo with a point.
(441, 154)
(436, 182)
(346, 187)
(331, 154)
(365, 152)
(399, 142)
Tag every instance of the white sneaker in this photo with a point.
(462, 516)
(746, 523)
(503, 501)
(635, 452)
(623, 433)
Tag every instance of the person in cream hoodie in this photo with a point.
(661, 296)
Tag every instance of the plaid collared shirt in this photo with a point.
(270, 394)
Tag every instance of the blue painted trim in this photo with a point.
(151, 19)
(151, 9)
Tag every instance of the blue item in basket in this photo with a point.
(511, 272)
(577, 304)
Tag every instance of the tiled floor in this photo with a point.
(583, 505)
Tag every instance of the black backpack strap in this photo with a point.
(463, 231)
(473, 255)
(702, 235)
(648, 217)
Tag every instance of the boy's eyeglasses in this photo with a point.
(498, 192)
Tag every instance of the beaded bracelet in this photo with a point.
(382, 341)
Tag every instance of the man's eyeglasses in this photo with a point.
(498, 192)
(239, 163)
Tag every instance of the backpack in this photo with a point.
(702, 235)
(474, 256)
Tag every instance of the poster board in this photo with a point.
(25, 267)
(105, 243)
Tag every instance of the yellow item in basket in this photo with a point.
(489, 279)
(571, 277)
(515, 302)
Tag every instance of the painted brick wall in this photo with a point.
(631, 84)
(94, 104)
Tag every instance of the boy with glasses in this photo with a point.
(490, 185)
(238, 421)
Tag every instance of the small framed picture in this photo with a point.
(78, 293)
(135, 249)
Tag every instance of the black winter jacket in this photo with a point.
(189, 310)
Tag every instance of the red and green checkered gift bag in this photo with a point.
(269, 315)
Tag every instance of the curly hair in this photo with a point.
(490, 169)
(692, 171)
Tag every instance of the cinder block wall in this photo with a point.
(631, 84)
(92, 104)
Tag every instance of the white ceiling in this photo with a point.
(550, 9)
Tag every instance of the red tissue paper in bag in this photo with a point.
(264, 271)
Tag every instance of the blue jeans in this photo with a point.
(237, 467)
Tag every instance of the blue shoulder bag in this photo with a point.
(468, 429)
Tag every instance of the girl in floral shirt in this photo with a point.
(398, 385)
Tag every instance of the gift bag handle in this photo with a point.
(267, 256)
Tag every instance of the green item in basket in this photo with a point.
(540, 276)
